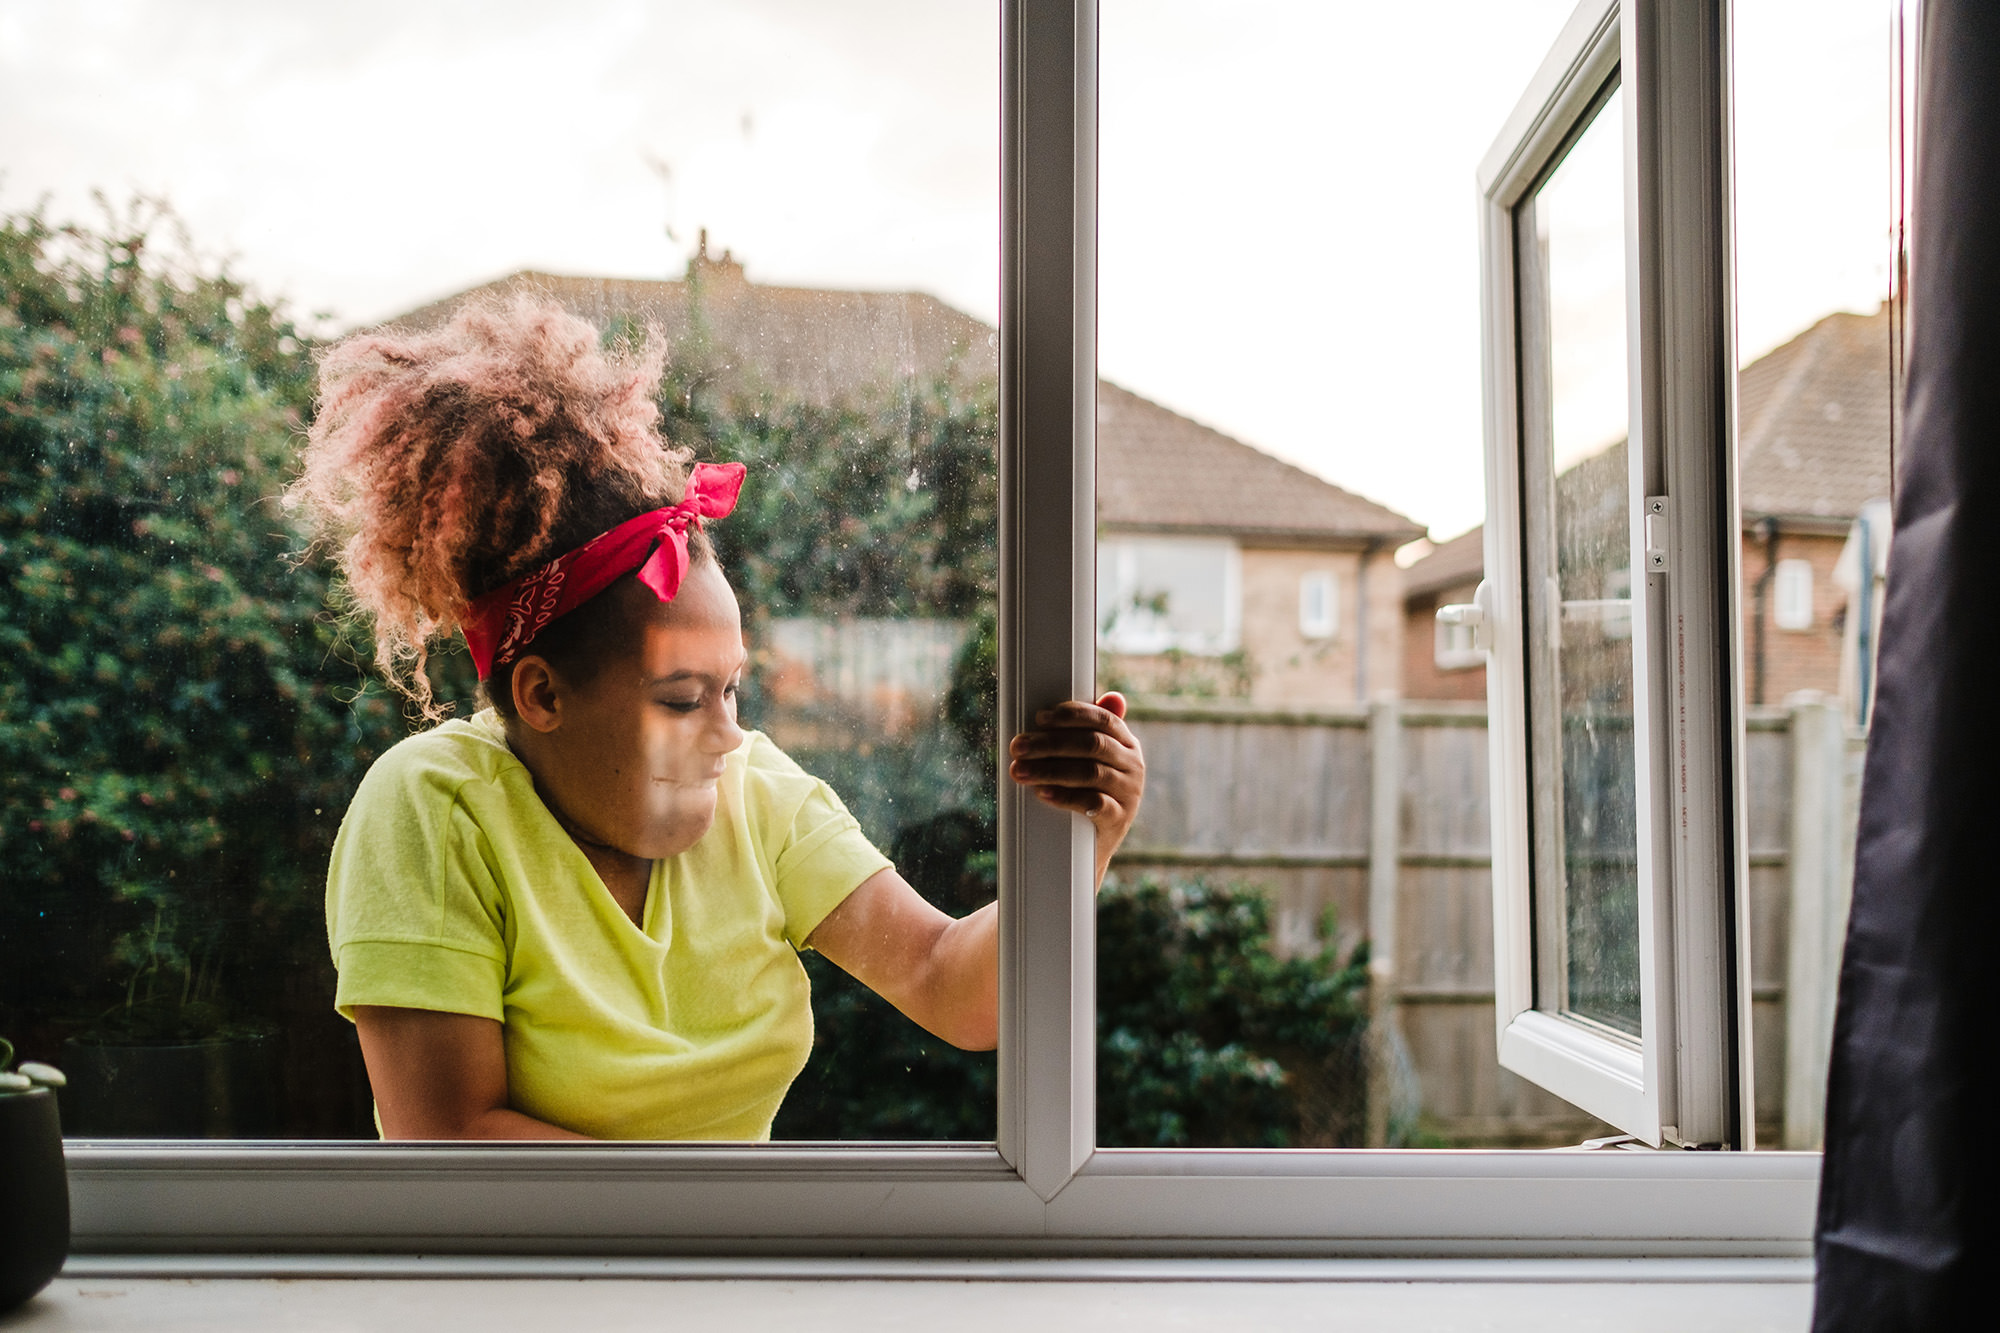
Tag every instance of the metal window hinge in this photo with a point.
(1657, 550)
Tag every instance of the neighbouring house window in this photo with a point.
(1156, 594)
(1794, 595)
(1319, 605)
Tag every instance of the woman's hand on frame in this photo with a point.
(1082, 757)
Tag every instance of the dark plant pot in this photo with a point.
(34, 1195)
(221, 1089)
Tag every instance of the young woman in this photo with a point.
(577, 913)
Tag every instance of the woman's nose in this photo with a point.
(725, 734)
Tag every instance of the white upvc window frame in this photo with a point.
(1686, 1079)
(1044, 1188)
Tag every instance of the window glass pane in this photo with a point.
(1289, 331)
(1820, 148)
(1578, 570)
(802, 202)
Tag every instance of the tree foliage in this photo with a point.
(885, 506)
(179, 726)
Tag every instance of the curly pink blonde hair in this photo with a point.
(446, 462)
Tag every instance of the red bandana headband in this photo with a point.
(505, 621)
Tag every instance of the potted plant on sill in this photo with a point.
(34, 1209)
(168, 1061)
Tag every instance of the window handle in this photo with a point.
(1473, 615)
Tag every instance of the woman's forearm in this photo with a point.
(963, 988)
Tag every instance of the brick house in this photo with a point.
(1222, 570)
(1813, 448)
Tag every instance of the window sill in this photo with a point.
(936, 1201)
(447, 1295)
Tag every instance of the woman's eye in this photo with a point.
(682, 705)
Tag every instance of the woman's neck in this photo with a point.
(628, 877)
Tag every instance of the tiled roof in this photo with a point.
(1814, 421)
(1453, 564)
(1158, 470)
(1812, 440)
(797, 342)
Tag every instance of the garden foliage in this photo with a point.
(180, 726)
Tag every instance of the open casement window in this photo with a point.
(1610, 570)
(1044, 1187)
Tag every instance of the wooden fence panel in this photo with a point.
(1445, 802)
(1445, 935)
(1253, 789)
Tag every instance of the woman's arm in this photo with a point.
(944, 974)
(441, 1076)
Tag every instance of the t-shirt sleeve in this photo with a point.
(414, 915)
(822, 855)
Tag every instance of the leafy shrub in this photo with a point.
(1206, 1038)
(180, 725)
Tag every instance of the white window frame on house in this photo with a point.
(1792, 595)
(1044, 1188)
(1126, 625)
(1685, 1079)
(1319, 604)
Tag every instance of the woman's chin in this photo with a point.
(681, 831)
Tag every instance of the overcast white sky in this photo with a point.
(1289, 249)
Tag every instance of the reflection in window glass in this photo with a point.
(1820, 146)
(1579, 585)
(805, 213)
(1792, 599)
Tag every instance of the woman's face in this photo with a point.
(635, 755)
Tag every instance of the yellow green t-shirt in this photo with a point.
(452, 887)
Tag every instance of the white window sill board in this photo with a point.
(108, 1294)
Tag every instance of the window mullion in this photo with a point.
(1684, 377)
(1048, 418)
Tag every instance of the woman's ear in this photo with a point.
(538, 694)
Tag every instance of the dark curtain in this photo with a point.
(1909, 1196)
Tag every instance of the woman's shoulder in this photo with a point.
(442, 760)
(762, 759)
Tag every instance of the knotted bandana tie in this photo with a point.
(500, 625)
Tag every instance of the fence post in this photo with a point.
(1822, 872)
(1385, 852)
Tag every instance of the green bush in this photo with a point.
(180, 724)
(1206, 1038)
